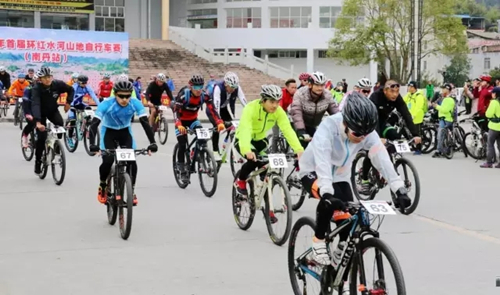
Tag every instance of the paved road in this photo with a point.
(56, 240)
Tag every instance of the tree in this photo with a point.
(495, 72)
(457, 72)
(385, 33)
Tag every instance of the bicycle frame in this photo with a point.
(259, 196)
(198, 143)
(229, 133)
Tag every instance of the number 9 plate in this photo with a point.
(378, 207)
(277, 161)
(125, 155)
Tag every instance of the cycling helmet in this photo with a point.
(360, 114)
(83, 79)
(364, 83)
(75, 75)
(272, 92)
(231, 80)
(161, 77)
(2, 69)
(197, 80)
(21, 76)
(122, 77)
(304, 76)
(44, 72)
(106, 76)
(123, 85)
(317, 78)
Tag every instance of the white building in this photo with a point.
(292, 34)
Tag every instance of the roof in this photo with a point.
(483, 35)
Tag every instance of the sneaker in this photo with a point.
(272, 217)
(182, 170)
(437, 155)
(24, 141)
(101, 194)
(417, 153)
(486, 165)
(217, 157)
(38, 167)
(365, 188)
(135, 200)
(70, 142)
(320, 252)
(241, 187)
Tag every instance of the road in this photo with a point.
(56, 240)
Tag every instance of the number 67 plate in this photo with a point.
(125, 155)
(378, 207)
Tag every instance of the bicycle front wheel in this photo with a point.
(177, 173)
(58, 160)
(71, 143)
(111, 206)
(21, 118)
(45, 167)
(473, 146)
(281, 207)
(29, 151)
(380, 285)
(243, 206)
(356, 173)
(409, 185)
(125, 198)
(163, 131)
(86, 140)
(449, 145)
(207, 167)
(429, 142)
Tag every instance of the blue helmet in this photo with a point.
(21, 76)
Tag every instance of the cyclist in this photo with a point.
(446, 112)
(74, 79)
(304, 79)
(153, 95)
(188, 102)
(387, 99)
(417, 105)
(4, 100)
(309, 106)
(364, 86)
(224, 98)
(81, 88)
(325, 167)
(105, 87)
(30, 75)
(44, 105)
(287, 99)
(123, 77)
(17, 90)
(115, 114)
(258, 117)
(27, 112)
(338, 93)
(4, 78)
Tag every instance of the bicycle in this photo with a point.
(453, 140)
(396, 149)
(4, 105)
(351, 264)
(293, 181)
(18, 115)
(269, 178)
(53, 154)
(479, 139)
(119, 180)
(228, 149)
(81, 130)
(160, 124)
(197, 152)
(29, 152)
(429, 132)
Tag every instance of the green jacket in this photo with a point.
(417, 105)
(337, 95)
(255, 123)
(429, 91)
(446, 109)
(493, 114)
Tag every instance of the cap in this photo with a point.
(496, 90)
(447, 86)
(486, 78)
(413, 84)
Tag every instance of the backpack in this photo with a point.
(187, 96)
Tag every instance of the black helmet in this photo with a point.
(125, 86)
(197, 80)
(360, 114)
(44, 72)
(83, 79)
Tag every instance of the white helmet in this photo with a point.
(2, 69)
(106, 76)
(272, 92)
(317, 78)
(75, 75)
(364, 83)
(161, 77)
(122, 77)
(35, 77)
(231, 80)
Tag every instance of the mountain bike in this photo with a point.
(18, 115)
(363, 235)
(475, 141)
(53, 154)
(261, 190)
(228, 149)
(396, 149)
(120, 192)
(429, 132)
(81, 130)
(197, 152)
(4, 105)
(29, 152)
(160, 124)
(453, 141)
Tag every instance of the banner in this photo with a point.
(66, 52)
(75, 6)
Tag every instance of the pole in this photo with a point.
(419, 49)
(149, 19)
(412, 41)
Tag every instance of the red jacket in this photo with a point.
(286, 100)
(105, 89)
(484, 97)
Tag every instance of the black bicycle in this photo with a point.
(303, 270)
(81, 130)
(197, 152)
(29, 151)
(120, 193)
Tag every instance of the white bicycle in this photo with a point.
(53, 154)
(228, 149)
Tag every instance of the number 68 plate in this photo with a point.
(277, 161)
(378, 207)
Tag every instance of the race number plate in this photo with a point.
(59, 130)
(277, 161)
(402, 146)
(378, 207)
(163, 108)
(235, 123)
(89, 113)
(203, 133)
(20, 99)
(125, 155)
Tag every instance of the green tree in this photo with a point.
(380, 29)
(457, 72)
(471, 8)
(495, 72)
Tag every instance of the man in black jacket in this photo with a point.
(29, 76)
(44, 96)
(4, 77)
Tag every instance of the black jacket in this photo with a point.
(385, 108)
(5, 78)
(44, 99)
(154, 92)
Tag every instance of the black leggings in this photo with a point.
(72, 122)
(112, 139)
(226, 117)
(182, 139)
(57, 120)
(388, 132)
(257, 147)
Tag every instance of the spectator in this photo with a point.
(345, 86)
(377, 86)
(170, 84)
(4, 77)
(138, 86)
(429, 91)
(493, 115)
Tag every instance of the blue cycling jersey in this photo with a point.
(80, 92)
(114, 116)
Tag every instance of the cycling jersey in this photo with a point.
(105, 88)
(44, 99)
(306, 112)
(187, 105)
(286, 100)
(114, 116)
(5, 79)
(17, 88)
(255, 123)
(80, 93)
(331, 153)
(221, 98)
(155, 91)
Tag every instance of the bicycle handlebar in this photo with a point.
(113, 151)
(392, 142)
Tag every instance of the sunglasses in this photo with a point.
(366, 91)
(197, 87)
(124, 96)
(393, 86)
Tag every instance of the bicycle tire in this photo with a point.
(383, 248)
(292, 267)
(31, 147)
(461, 134)
(232, 159)
(75, 139)
(58, 149)
(45, 167)
(430, 134)
(125, 226)
(111, 207)
(408, 163)
(354, 183)
(163, 122)
(296, 206)
(250, 199)
(21, 118)
(5, 110)
(86, 141)
(177, 174)
(473, 155)
(277, 180)
(448, 142)
(207, 155)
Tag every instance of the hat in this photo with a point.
(21, 76)
(486, 78)
(447, 86)
(496, 90)
(413, 84)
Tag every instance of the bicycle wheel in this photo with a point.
(459, 134)
(163, 131)
(45, 166)
(58, 159)
(415, 185)
(207, 166)
(111, 206)
(5, 110)
(238, 201)
(429, 143)
(29, 151)
(177, 173)
(475, 148)
(235, 161)
(356, 177)
(125, 198)
(448, 145)
(294, 184)
(379, 285)
(86, 140)
(282, 207)
(71, 147)
(21, 118)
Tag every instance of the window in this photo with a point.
(240, 17)
(20, 19)
(206, 18)
(328, 16)
(322, 54)
(64, 21)
(425, 65)
(486, 63)
(202, 1)
(287, 53)
(110, 15)
(290, 17)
